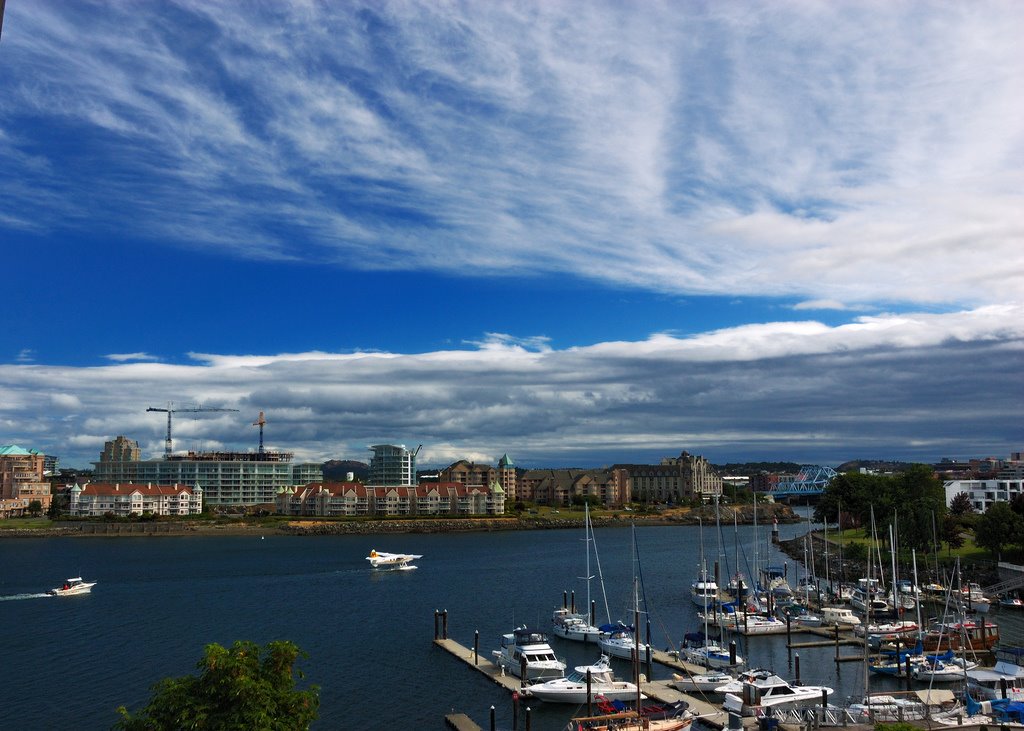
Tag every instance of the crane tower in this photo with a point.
(260, 421)
(169, 410)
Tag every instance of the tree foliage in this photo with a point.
(961, 504)
(1000, 526)
(909, 499)
(243, 687)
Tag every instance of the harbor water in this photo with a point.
(69, 662)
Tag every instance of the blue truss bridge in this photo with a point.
(811, 480)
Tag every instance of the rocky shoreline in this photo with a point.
(314, 527)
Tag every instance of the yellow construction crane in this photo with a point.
(169, 410)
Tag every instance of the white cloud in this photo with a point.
(124, 357)
(911, 385)
(851, 153)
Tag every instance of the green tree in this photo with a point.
(961, 504)
(953, 532)
(855, 493)
(915, 495)
(243, 687)
(58, 505)
(998, 527)
(35, 508)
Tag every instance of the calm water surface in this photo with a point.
(69, 663)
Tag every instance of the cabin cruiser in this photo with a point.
(987, 683)
(761, 692)
(942, 671)
(886, 632)
(73, 587)
(773, 580)
(1011, 602)
(839, 615)
(701, 682)
(528, 648)
(619, 641)
(868, 593)
(704, 593)
(571, 626)
(975, 598)
(700, 651)
(392, 561)
(573, 687)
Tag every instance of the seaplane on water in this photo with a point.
(392, 561)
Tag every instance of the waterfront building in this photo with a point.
(468, 473)
(344, 499)
(558, 487)
(1007, 485)
(22, 480)
(226, 478)
(97, 499)
(507, 477)
(392, 464)
(685, 477)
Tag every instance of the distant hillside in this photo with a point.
(754, 468)
(877, 465)
(336, 470)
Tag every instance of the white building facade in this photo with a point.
(985, 493)
(98, 499)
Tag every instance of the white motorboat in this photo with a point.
(877, 708)
(942, 671)
(975, 598)
(987, 683)
(702, 682)
(888, 631)
(704, 593)
(392, 561)
(839, 615)
(73, 587)
(756, 624)
(710, 655)
(529, 648)
(868, 592)
(619, 641)
(762, 691)
(571, 626)
(573, 687)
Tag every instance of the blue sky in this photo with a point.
(579, 233)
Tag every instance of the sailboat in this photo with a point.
(565, 621)
(703, 651)
(619, 639)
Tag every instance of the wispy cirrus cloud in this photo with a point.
(125, 357)
(912, 386)
(720, 149)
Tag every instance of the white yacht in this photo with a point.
(701, 683)
(710, 655)
(573, 688)
(73, 587)
(839, 615)
(619, 641)
(868, 591)
(529, 647)
(571, 626)
(704, 593)
(762, 691)
(942, 671)
(986, 683)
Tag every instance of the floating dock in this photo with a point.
(660, 691)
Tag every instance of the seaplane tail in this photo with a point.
(393, 561)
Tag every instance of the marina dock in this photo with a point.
(660, 691)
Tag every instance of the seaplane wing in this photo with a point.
(381, 559)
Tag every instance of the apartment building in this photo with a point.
(97, 499)
(685, 477)
(1007, 485)
(560, 486)
(342, 499)
(22, 480)
(227, 478)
